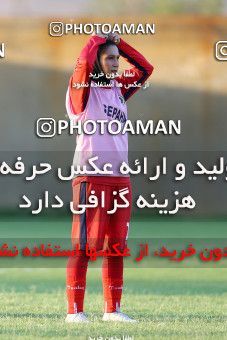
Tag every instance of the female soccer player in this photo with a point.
(104, 99)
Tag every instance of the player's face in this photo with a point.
(109, 59)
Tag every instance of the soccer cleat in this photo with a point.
(78, 317)
(117, 316)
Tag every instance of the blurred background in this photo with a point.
(188, 83)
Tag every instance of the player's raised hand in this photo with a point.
(114, 37)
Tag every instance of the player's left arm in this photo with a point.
(141, 69)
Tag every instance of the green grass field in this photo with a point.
(173, 303)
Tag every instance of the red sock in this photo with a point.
(112, 278)
(76, 281)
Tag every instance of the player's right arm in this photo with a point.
(77, 98)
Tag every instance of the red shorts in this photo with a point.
(95, 226)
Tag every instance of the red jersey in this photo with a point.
(77, 98)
